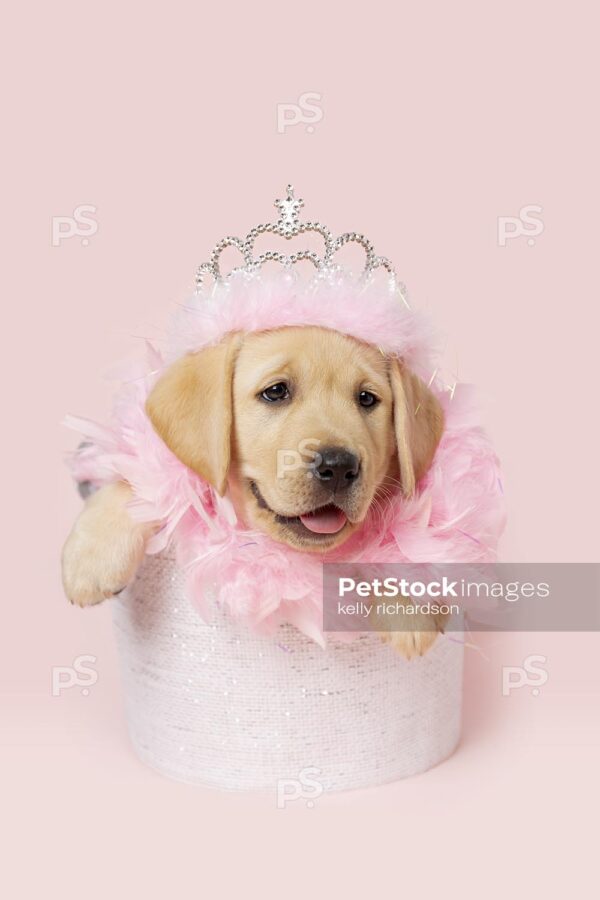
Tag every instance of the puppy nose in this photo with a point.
(338, 469)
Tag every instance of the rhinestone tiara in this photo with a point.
(288, 226)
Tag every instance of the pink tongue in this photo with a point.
(329, 520)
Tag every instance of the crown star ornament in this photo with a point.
(288, 226)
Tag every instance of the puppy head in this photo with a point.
(305, 426)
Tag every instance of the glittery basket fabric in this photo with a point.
(215, 705)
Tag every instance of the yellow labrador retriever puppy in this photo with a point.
(359, 425)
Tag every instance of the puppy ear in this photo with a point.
(418, 424)
(191, 409)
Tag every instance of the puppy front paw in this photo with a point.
(411, 633)
(411, 643)
(104, 549)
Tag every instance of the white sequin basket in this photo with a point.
(213, 704)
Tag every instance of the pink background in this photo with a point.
(437, 118)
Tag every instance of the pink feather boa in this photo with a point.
(456, 516)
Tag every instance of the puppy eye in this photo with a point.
(276, 392)
(367, 399)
